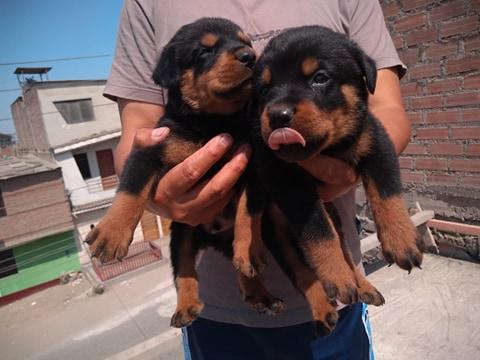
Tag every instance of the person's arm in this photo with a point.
(179, 195)
(387, 106)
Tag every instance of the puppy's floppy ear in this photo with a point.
(167, 71)
(369, 69)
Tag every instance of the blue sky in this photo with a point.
(33, 30)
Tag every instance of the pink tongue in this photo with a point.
(285, 136)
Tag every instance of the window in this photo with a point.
(3, 211)
(8, 265)
(75, 111)
(83, 166)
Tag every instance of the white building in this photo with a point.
(74, 123)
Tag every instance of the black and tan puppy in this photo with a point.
(311, 89)
(207, 69)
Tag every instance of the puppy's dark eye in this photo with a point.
(205, 51)
(320, 78)
(263, 91)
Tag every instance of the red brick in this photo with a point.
(440, 50)
(476, 4)
(409, 56)
(391, 9)
(415, 149)
(473, 150)
(472, 82)
(443, 117)
(446, 149)
(405, 163)
(415, 118)
(469, 165)
(431, 133)
(421, 36)
(465, 64)
(413, 4)
(448, 10)
(471, 115)
(413, 177)
(398, 41)
(410, 89)
(443, 85)
(442, 179)
(422, 71)
(431, 164)
(425, 102)
(466, 133)
(410, 22)
(472, 43)
(461, 26)
(471, 181)
(467, 98)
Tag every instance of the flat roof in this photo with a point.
(13, 166)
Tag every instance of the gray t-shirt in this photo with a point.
(147, 25)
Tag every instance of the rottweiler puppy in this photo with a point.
(311, 89)
(207, 69)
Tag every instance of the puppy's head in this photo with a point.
(209, 62)
(311, 87)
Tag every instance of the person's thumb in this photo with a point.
(150, 137)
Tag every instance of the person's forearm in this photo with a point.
(387, 106)
(134, 116)
(397, 125)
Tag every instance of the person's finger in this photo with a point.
(209, 213)
(330, 170)
(226, 178)
(149, 137)
(186, 174)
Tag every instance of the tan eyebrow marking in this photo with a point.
(209, 40)
(244, 38)
(309, 65)
(266, 76)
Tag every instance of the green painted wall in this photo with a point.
(40, 261)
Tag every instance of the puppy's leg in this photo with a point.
(304, 279)
(184, 248)
(248, 248)
(111, 238)
(255, 294)
(367, 293)
(381, 179)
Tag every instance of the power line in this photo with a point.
(55, 60)
(6, 90)
(6, 119)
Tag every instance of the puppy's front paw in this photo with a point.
(184, 315)
(109, 241)
(402, 247)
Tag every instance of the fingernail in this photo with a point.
(246, 149)
(224, 140)
(160, 133)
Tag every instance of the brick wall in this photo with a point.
(439, 41)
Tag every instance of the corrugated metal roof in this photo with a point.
(13, 166)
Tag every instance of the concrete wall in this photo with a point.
(440, 43)
(28, 120)
(59, 132)
(36, 206)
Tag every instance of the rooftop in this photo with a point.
(13, 166)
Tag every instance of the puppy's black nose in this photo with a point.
(246, 56)
(280, 116)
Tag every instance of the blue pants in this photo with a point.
(211, 340)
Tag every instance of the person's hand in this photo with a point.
(181, 195)
(338, 177)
